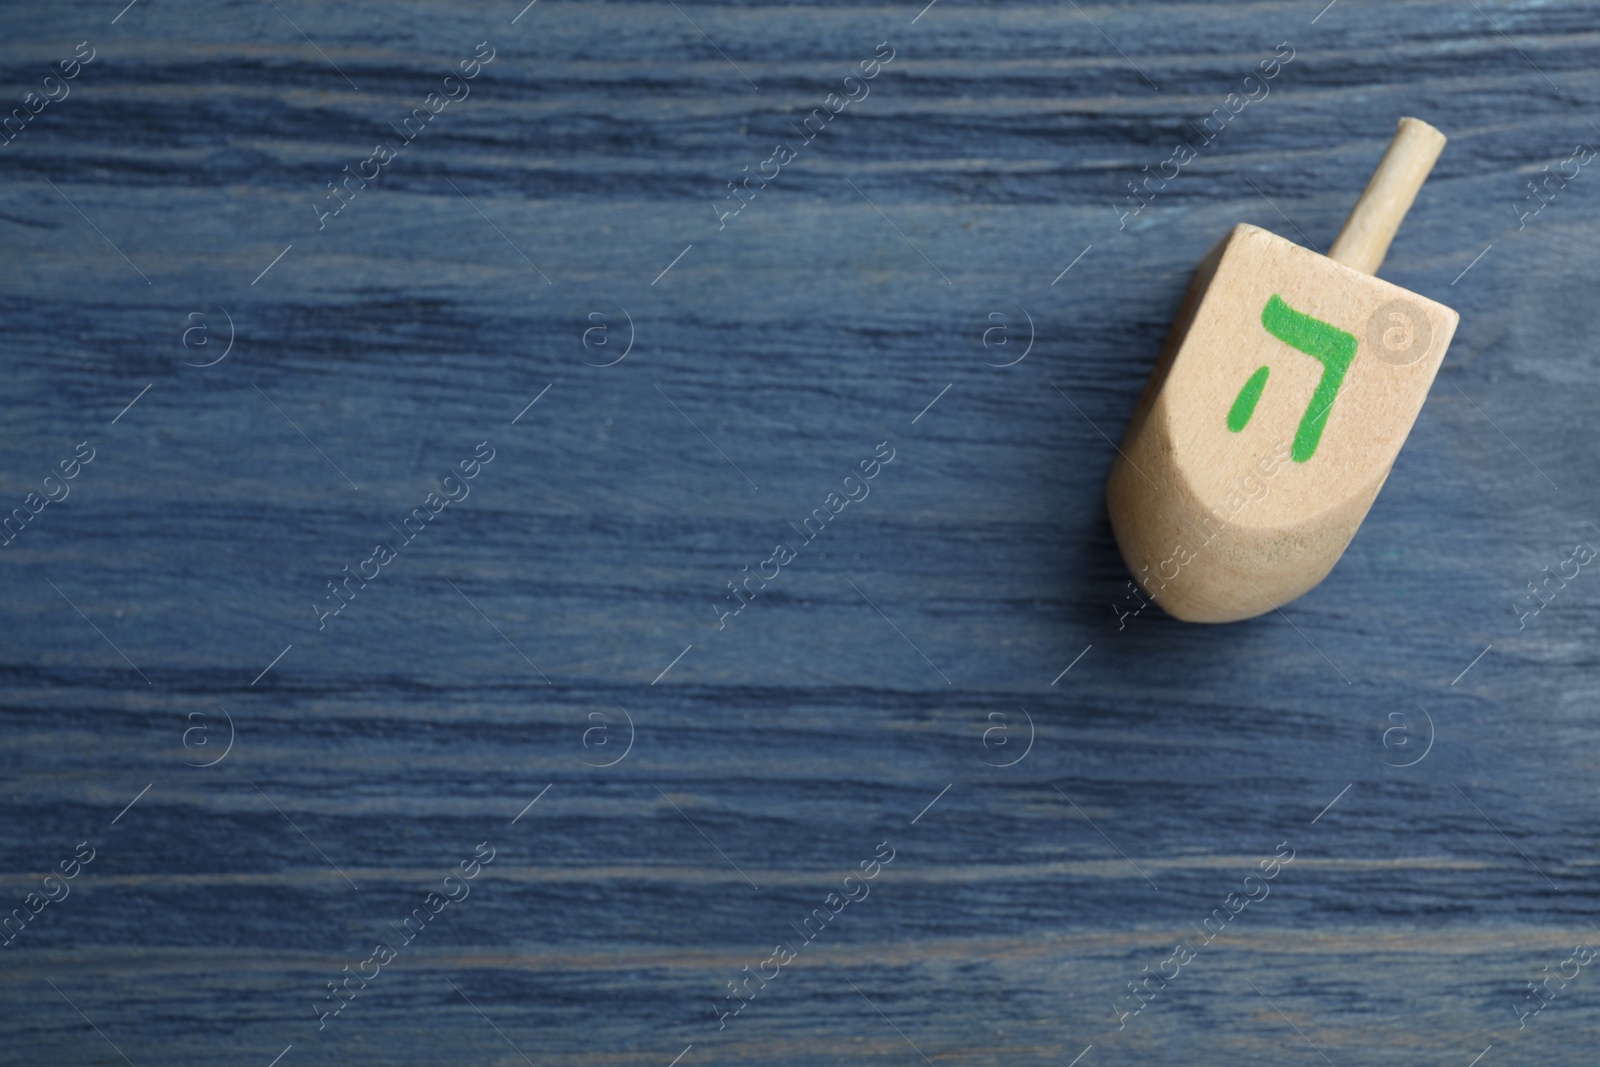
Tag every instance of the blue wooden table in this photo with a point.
(573, 534)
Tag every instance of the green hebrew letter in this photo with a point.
(1326, 344)
(1244, 405)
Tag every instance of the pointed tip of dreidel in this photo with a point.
(1287, 386)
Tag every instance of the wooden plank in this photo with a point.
(852, 302)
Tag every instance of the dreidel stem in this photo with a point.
(1364, 241)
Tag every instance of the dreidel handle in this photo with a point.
(1364, 241)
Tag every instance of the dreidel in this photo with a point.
(1287, 386)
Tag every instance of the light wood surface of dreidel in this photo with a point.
(1277, 408)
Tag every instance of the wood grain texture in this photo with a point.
(859, 286)
(1364, 238)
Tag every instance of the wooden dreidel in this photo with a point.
(1285, 391)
